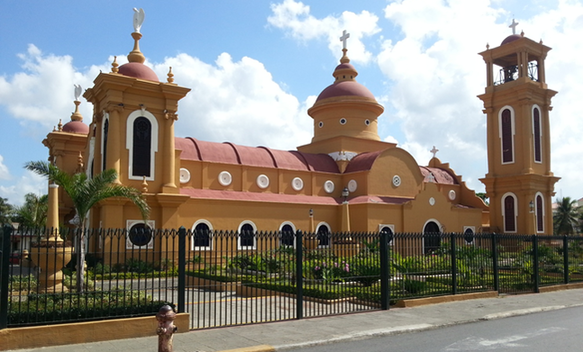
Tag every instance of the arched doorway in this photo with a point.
(431, 237)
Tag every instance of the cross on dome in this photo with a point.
(434, 151)
(344, 38)
(513, 26)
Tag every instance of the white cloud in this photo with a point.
(237, 101)
(295, 17)
(4, 173)
(28, 183)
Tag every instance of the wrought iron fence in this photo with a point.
(228, 278)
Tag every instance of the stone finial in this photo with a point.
(136, 55)
(170, 76)
(80, 162)
(114, 65)
(144, 185)
(522, 34)
(60, 126)
(487, 46)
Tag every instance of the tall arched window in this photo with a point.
(142, 145)
(202, 235)
(507, 135)
(509, 206)
(323, 235)
(287, 236)
(389, 230)
(431, 237)
(247, 236)
(104, 144)
(537, 136)
(540, 222)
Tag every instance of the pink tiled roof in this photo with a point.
(258, 197)
(441, 176)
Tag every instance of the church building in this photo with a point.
(346, 179)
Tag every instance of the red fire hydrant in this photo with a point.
(165, 328)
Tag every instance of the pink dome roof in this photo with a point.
(511, 38)
(345, 88)
(138, 70)
(76, 127)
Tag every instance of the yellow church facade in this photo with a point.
(346, 179)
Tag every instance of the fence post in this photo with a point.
(495, 262)
(299, 276)
(535, 264)
(453, 264)
(181, 269)
(4, 274)
(566, 259)
(385, 272)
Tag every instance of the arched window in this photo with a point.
(142, 144)
(509, 214)
(323, 235)
(431, 237)
(140, 234)
(247, 236)
(540, 221)
(104, 144)
(202, 235)
(469, 234)
(287, 235)
(507, 135)
(537, 136)
(389, 229)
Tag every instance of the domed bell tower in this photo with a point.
(517, 102)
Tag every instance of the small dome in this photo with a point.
(138, 70)
(345, 88)
(76, 127)
(511, 38)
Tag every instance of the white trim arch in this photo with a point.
(540, 134)
(130, 142)
(542, 210)
(252, 224)
(513, 133)
(288, 223)
(392, 228)
(473, 232)
(503, 208)
(202, 248)
(438, 244)
(326, 243)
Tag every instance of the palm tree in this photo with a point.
(6, 211)
(566, 217)
(85, 193)
(33, 213)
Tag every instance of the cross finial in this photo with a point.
(344, 38)
(513, 26)
(434, 151)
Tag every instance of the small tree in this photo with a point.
(566, 218)
(33, 213)
(6, 211)
(85, 193)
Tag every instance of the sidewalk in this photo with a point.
(295, 333)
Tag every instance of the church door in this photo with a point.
(431, 238)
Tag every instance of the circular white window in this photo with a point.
(297, 184)
(343, 121)
(367, 122)
(396, 181)
(329, 186)
(431, 201)
(320, 124)
(451, 195)
(225, 178)
(262, 181)
(184, 175)
(352, 185)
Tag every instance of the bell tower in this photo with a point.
(517, 103)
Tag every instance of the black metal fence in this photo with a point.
(227, 278)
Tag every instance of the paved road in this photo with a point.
(559, 330)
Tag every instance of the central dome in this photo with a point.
(138, 70)
(345, 88)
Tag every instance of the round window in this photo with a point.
(320, 124)
(367, 122)
(140, 235)
(343, 121)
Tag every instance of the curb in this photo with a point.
(258, 348)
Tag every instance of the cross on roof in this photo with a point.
(344, 38)
(434, 151)
(513, 26)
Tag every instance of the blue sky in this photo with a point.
(255, 67)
